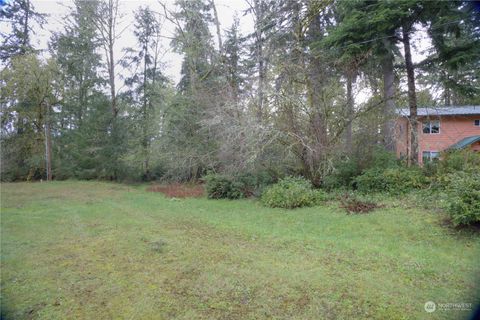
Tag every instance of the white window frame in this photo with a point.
(429, 123)
(432, 155)
(476, 122)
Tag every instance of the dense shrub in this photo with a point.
(392, 180)
(253, 183)
(442, 172)
(383, 159)
(460, 160)
(343, 175)
(346, 169)
(292, 192)
(430, 169)
(464, 197)
(239, 186)
(222, 187)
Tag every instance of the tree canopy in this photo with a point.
(314, 83)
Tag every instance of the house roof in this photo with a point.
(465, 142)
(442, 111)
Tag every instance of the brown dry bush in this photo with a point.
(178, 190)
(354, 205)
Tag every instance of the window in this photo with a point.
(476, 123)
(431, 127)
(430, 156)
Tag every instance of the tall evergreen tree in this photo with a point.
(264, 21)
(356, 40)
(76, 53)
(380, 25)
(234, 65)
(146, 86)
(22, 16)
(106, 19)
(454, 62)
(187, 139)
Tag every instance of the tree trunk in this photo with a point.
(260, 58)
(412, 98)
(145, 142)
(217, 25)
(26, 34)
(105, 21)
(114, 134)
(350, 111)
(447, 96)
(48, 144)
(107, 30)
(82, 101)
(315, 84)
(389, 106)
(111, 74)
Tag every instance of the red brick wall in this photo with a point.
(402, 138)
(452, 130)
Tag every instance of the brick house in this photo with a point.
(439, 129)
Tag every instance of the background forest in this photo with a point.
(279, 101)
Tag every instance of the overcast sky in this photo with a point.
(57, 10)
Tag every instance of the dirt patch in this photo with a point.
(353, 205)
(178, 190)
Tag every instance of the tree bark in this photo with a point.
(315, 84)
(48, 143)
(389, 106)
(412, 98)
(447, 97)
(145, 142)
(259, 17)
(105, 21)
(217, 25)
(26, 34)
(350, 111)
(111, 73)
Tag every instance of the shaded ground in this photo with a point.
(89, 250)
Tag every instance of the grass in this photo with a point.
(90, 250)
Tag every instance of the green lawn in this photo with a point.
(89, 250)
